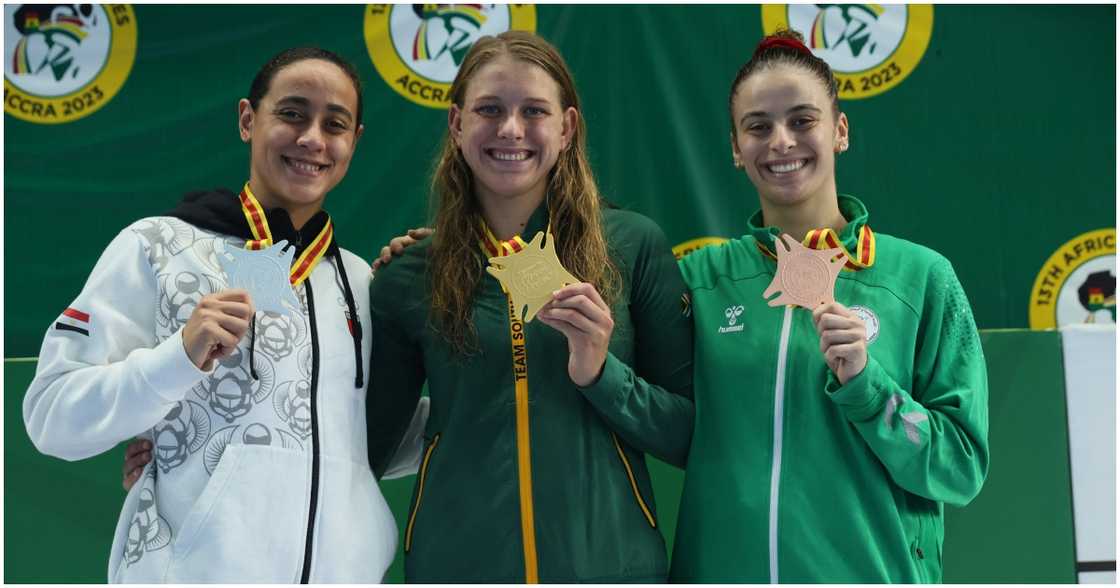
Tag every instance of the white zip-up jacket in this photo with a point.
(252, 480)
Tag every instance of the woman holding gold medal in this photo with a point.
(825, 442)
(534, 468)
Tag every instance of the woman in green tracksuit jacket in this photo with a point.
(825, 442)
(534, 468)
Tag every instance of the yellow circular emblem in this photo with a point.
(417, 48)
(1077, 284)
(65, 61)
(691, 245)
(871, 48)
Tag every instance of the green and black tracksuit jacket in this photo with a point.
(547, 482)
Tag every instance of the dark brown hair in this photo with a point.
(768, 54)
(263, 79)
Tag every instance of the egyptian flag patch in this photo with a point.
(73, 320)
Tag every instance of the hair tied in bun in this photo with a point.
(776, 41)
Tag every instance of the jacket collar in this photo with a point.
(220, 211)
(856, 238)
(851, 208)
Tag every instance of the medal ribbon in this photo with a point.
(262, 238)
(827, 239)
(494, 247)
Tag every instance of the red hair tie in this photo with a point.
(769, 42)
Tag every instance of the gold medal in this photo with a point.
(531, 275)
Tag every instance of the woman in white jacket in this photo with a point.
(260, 471)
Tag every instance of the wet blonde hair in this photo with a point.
(574, 202)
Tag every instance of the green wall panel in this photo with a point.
(1020, 528)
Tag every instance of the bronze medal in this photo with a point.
(805, 277)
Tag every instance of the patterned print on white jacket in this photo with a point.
(230, 495)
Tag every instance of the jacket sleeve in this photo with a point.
(650, 404)
(396, 376)
(933, 438)
(107, 378)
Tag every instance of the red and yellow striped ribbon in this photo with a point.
(495, 247)
(827, 239)
(254, 215)
(262, 238)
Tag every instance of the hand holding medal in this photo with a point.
(807, 278)
(843, 340)
(538, 285)
(216, 325)
(531, 275)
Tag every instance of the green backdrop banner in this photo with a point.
(997, 146)
(994, 143)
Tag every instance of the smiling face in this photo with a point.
(302, 135)
(786, 136)
(511, 129)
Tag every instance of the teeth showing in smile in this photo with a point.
(785, 168)
(505, 156)
(303, 166)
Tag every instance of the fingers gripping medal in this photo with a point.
(531, 275)
(264, 274)
(805, 277)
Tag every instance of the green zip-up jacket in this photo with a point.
(791, 476)
(583, 508)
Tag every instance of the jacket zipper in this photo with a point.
(419, 493)
(633, 482)
(305, 576)
(776, 464)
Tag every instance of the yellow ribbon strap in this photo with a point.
(494, 247)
